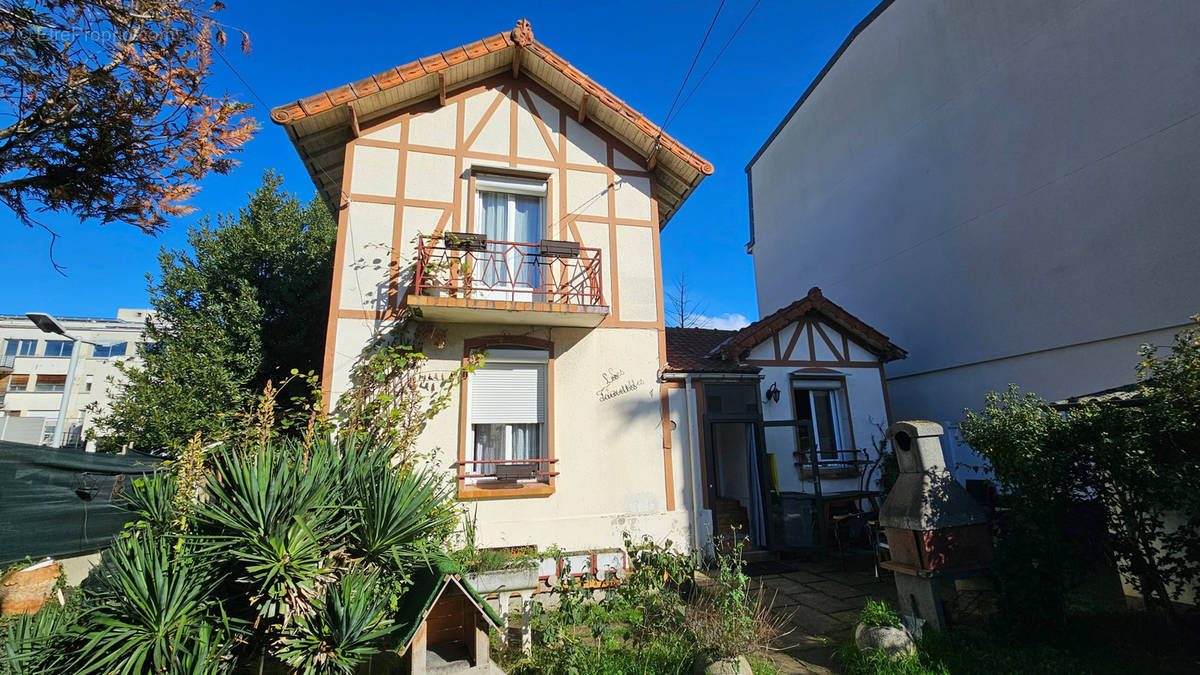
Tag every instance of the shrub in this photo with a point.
(658, 618)
(1136, 461)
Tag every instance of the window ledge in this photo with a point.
(497, 490)
(832, 472)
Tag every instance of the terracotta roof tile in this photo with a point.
(522, 35)
(764, 328)
(688, 351)
(365, 87)
(456, 56)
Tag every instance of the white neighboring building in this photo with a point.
(1008, 189)
(33, 372)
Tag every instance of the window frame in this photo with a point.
(12, 381)
(124, 344)
(18, 342)
(499, 356)
(511, 185)
(476, 489)
(59, 387)
(843, 428)
(59, 344)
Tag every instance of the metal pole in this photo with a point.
(56, 442)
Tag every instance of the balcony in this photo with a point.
(464, 278)
(6, 362)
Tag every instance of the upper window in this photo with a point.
(821, 403)
(108, 351)
(20, 347)
(59, 347)
(18, 383)
(50, 383)
(506, 400)
(510, 213)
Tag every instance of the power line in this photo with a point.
(267, 109)
(711, 65)
(694, 61)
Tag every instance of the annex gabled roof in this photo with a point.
(690, 350)
(321, 125)
(747, 338)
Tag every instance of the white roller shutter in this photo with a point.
(510, 388)
(817, 384)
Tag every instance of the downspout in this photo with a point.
(693, 455)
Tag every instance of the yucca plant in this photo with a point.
(343, 632)
(275, 515)
(152, 498)
(400, 514)
(34, 643)
(154, 612)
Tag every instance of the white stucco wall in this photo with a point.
(1003, 188)
(609, 450)
(864, 399)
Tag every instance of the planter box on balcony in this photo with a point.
(555, 248)
(466, 241)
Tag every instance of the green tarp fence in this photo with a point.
(62, 503)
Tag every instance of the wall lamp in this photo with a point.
(773, 393)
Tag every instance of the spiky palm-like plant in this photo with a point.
(154, 613)
(399, 516)
(275, 516)
(343, 632)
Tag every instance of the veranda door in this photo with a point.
(511, 216)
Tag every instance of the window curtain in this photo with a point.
(489, 445)
(528, 228)
(823, 403)
(493, 225)
(525, 441)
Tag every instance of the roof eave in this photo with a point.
(678, 169)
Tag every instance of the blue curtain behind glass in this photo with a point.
(528, 228)
(494, 223)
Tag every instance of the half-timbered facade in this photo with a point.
(500, 197)
(782, 420)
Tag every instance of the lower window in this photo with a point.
(821, 403)
(506, 400)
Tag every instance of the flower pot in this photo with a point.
(896, 643)
(25, 591)
(733, 665)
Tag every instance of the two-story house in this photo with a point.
(496, 191)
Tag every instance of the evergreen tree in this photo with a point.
(247, 304)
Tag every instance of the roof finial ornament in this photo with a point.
(523, 33)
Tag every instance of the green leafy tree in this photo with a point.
(246, 304)
(1138, 461)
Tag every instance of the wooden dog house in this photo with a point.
(447, 624)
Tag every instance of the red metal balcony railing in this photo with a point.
(504, 470)
(468, 266)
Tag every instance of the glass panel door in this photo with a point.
(512, 223)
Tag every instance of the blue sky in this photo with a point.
(638, 50)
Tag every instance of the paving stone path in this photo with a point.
(818, 601)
